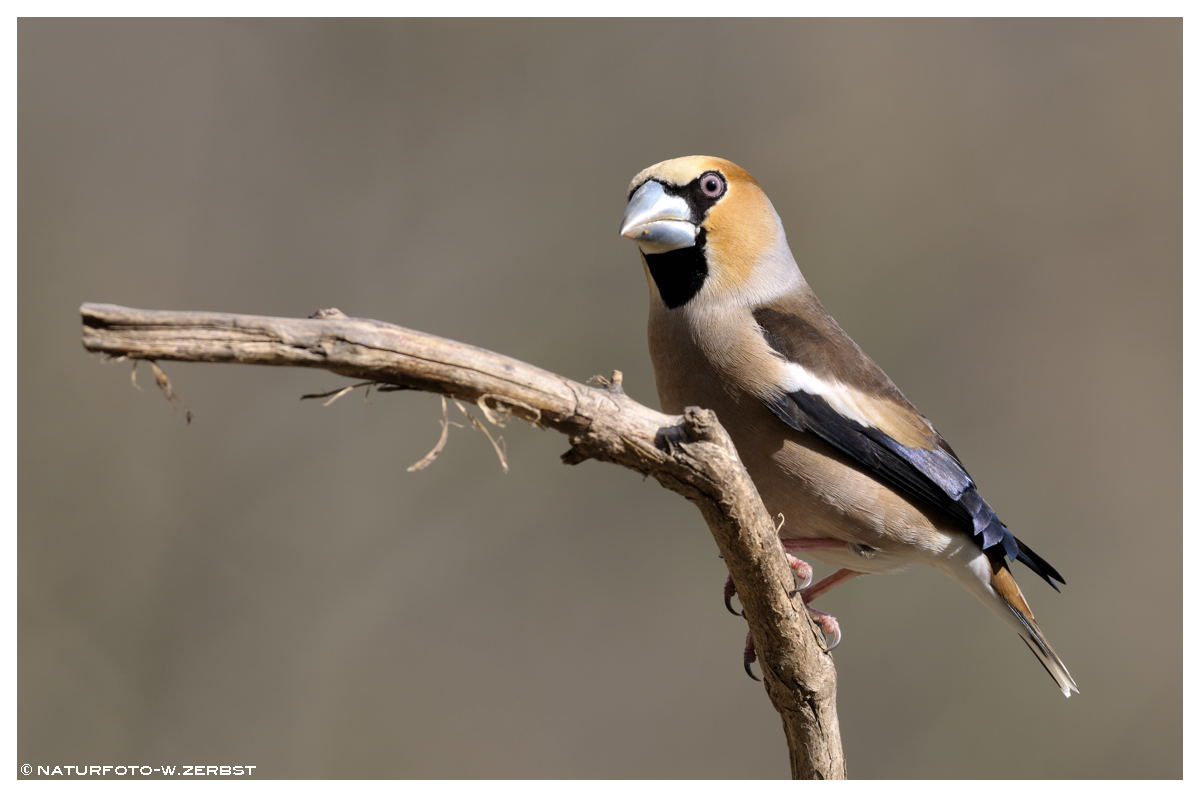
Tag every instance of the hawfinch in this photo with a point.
(863, 481)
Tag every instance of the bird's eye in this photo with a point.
(712, 185)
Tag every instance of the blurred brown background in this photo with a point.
(992, 209)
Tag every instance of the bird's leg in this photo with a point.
(826, 584)
(801, 570)
(824, 620)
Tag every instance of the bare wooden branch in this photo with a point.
(690, 454)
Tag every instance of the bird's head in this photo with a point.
(706, 229)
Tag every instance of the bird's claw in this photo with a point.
(730, 591)
(803, 573)
(749, 657)
(824, 620)
(801, 570)
(829, 627)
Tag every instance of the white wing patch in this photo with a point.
(847, 401)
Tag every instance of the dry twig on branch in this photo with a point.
(689, 454)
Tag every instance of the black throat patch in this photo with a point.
(680, 273)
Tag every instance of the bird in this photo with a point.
(863, 481)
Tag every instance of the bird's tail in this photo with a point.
(989, 579)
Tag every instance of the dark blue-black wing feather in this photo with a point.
(934, 476)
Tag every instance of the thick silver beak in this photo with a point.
(658, 221)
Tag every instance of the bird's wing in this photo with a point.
(837, 393)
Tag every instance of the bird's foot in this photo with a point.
(730, 591)
(824, 620)
(829, 627)
(802, 571)
(749, 657)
